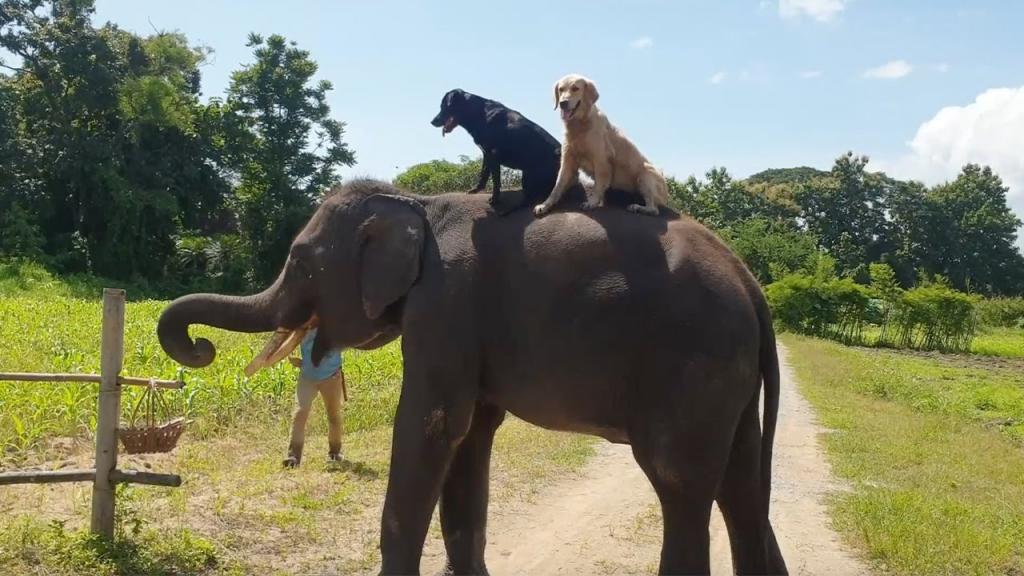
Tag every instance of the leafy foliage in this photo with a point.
(932, 316)
(1002, 312)
(108, 158)
(282, 145)
(440, 176)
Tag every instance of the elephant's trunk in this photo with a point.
(254, 313)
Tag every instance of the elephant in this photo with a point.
(643, 331)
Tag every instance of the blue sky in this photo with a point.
(746, 84)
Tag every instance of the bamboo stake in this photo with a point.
(93, 378)
(109, 409)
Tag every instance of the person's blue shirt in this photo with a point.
(330, 363)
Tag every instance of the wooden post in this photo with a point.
(109, 409)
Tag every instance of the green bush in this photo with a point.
(932, 316)
(1001, 312)
(820, 306)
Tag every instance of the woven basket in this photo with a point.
(149, 437)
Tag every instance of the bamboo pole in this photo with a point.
(94, 378)
(116, 476)
(109, 412)
(150, 478)
(46, 476)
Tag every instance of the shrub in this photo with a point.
(1001, 312)
(820, 306)
(932, 317)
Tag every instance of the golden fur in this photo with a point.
(594, 145)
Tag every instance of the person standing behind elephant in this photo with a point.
(326, 378)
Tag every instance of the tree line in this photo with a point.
(110, 164)
(782, 221)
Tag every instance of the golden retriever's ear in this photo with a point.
(591, 89)
(556, 96)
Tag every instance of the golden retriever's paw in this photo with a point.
(641, 209)
(541, 209)
(591, 205)
(290, 462)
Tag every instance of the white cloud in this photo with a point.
(890, 70)
(820, 10)
(642, 43)
(988, 131)
(809, 74)
(941, 67)
(717, 78)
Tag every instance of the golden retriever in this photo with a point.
(604, 153)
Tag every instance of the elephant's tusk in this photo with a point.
(280, 345)
(294, 339)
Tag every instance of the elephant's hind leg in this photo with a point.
(464, 496)
(684, 466)
(754, 548)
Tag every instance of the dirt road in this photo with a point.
(606, 521)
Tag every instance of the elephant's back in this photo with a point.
(633, 270)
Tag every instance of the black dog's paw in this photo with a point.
(641, 209)
(494, 201)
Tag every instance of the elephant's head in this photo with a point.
(349, 270)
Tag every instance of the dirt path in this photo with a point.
(607, 522)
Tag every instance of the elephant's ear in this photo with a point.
(390, 248)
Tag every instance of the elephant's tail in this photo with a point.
(770, 377)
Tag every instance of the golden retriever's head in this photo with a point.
(575, 96)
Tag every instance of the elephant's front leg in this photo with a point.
(464, 497)
(428, 428)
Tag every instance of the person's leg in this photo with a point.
(331, 391)
(305, 391)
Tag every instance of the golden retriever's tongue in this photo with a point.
(280, 345)
(566, 113)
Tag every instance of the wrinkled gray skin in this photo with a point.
(646, 331)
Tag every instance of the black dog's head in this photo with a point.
(451, 108)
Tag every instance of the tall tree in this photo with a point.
(973, 232)
(846, 212)
(110, 137)
(282, 145)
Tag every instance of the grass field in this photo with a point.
(1006, 342)
(63, 335)
(933, 448)
(238, 512)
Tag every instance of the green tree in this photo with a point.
(718, 201)
(971, 234)
(440, 176)
(846, 212)
(112, 148)
(282, 145)
(770, 248)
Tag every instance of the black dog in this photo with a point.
(507, 138)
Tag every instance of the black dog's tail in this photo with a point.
(769, 360)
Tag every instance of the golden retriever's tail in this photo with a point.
(654, 180)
